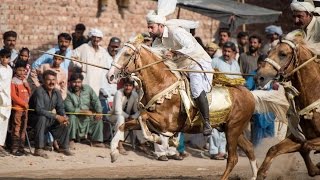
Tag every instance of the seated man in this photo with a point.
(82, 99)
(125, 108)
(46, 100)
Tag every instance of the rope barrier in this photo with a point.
(68, 113)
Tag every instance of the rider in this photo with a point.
(173, 35)
(303, 14)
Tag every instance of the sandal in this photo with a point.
(216, 157)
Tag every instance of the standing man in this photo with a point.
(77, 37)
(242, 40)
(173, 36)
(82, 99)
(64, 41)
(248, 61)
(273, 33)
(49, 116)
(305, 20)
(225, 63)
(9, 41)
(125, 108)
(93, 53)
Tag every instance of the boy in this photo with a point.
(5, 97)
(20, 93)
(62, 79)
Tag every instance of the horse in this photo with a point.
(168, 116)
(286, 63)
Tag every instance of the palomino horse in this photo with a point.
(168, 116)
(284, 60)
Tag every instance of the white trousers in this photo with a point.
(4, 121)
(164, 149)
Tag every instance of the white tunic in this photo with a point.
(93, 76)
(180, 40)
(108, 89)
(313, 31)
(5, 100)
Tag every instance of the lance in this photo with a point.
(213, 72)
(76, 60)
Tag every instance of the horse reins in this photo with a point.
(281, 70)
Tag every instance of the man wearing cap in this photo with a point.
(125, 108)
(305, 20)
(211, 49)
(173, 36)
(93, 53)
(273, 33)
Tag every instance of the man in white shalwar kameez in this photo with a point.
(174, 36)
(306, 21)
(5, 97)
(93, 53)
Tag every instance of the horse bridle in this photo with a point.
(132, 58)
(281, 70)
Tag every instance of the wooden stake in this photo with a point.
(76, 60)
(213, 72)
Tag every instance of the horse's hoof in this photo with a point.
(260, 177)
(114, 156)
(253, 178)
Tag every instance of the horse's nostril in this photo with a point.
(261, 78)
(111, 77)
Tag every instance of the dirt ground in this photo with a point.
(94, 163)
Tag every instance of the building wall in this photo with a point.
(38, 22)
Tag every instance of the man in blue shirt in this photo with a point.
(64, 41)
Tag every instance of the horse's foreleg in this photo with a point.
(312, 169)
(231, 136)
(146, 132)
(119, 135)
(285, 146)
(247, 147)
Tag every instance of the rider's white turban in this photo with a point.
(95, 32)
(306, 5)
(166, 7)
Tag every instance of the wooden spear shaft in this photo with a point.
(213, 72)
(76, 60)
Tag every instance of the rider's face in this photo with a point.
(155, 30)
(302, 19)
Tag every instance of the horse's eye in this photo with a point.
(127, 54)
(282, 54)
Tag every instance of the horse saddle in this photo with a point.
(220, 102)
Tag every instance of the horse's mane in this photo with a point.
(297, 36)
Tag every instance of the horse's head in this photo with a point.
(282, 59)
(125, 60)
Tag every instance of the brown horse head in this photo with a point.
(283, 58)
(124, 61)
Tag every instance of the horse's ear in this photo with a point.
(296, 36)
(138, 39)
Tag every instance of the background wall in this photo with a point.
(38, 22)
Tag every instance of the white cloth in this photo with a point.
(313, 31)
(164, 149)
(224, 66)
(93, 76)
(178, 39)
(165, 7)
(95, 32)
(274, 29)
(302, 6)
(108, 89)
(5, 100)
(217, 142)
